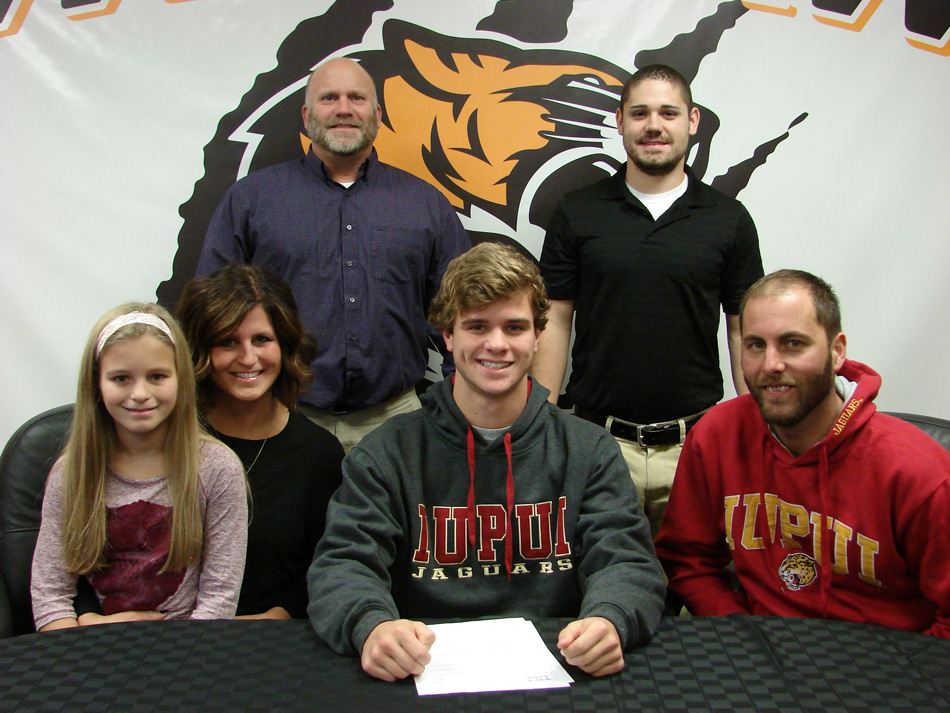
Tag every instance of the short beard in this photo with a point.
(655, 167)
(663, 168)
(342, 147)
(812, 393)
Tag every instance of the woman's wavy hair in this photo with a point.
(213, 306)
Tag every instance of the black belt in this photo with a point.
(645, 435)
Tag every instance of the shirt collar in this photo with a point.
(367, 171)
(696, 191)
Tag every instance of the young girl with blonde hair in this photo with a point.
(142, 503)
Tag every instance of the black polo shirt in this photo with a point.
(647, 295)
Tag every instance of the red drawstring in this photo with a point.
(827, 568)
(510, 488)
(471, 488)
(509, 491)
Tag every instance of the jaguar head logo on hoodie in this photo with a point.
(798, 571)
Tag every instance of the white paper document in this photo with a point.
(492, 655)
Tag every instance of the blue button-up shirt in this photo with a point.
(363, 263)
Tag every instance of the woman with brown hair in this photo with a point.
(251, 358)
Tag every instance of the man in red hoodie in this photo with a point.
(826, 507)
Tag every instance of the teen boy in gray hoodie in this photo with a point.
(487, 502)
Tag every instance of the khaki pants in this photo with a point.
(652, 471)
(350, 427)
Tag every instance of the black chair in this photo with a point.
(24, 465)
(936, 428)
(6, 616)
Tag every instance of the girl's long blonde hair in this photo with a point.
(92, 441)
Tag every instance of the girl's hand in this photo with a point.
(67, 623)
(91, 618)
(272, 613)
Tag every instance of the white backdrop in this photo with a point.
(105, 120)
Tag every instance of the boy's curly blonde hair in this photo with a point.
(486, 273)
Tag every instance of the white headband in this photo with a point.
(131, 318)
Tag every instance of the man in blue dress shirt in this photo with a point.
(362, 244)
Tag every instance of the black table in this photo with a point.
(732, 664)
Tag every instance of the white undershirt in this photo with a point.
(490, 434)
(659, 203)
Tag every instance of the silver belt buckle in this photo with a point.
(680, 423)
(640, 435)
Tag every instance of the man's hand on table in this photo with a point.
(396, 649)
(593, 645)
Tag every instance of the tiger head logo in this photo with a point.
(798, 571)
(502, 128)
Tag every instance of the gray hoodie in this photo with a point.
(433, 522)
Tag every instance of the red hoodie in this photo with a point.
(855, 528)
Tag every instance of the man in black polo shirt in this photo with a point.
(646, 258)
